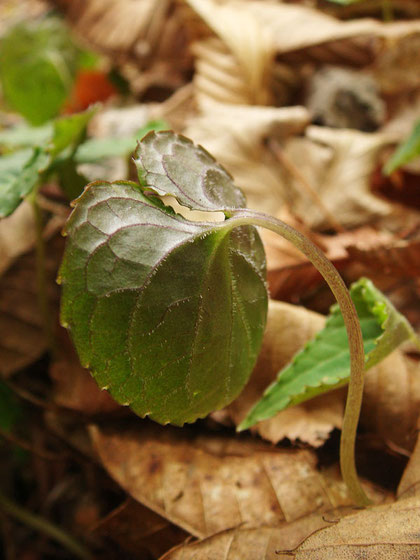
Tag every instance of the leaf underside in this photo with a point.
(168, 314)
(324, 363)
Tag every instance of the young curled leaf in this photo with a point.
(167, 313)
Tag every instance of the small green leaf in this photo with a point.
(406, 152)
(167, 313)
(18, 178)
(37, 66)
(23, 171)
(324, 363)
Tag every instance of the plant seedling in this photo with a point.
(169, 313)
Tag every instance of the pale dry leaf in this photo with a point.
(301, 33)
(206, 484)
(388, 531)
(338, 164)
(236, 136)
(235, 66)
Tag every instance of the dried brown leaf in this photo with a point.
(235, 66)
(149, 39)
(389, 531)
(206, 484)
(302, 33)
(338, 164)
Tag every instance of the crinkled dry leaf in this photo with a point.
(236, 136)
(235, 66)
(389, 531)
(338, 164)
(207, 484)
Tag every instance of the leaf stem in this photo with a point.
(357, 357)
(44, 526)
(41, 272)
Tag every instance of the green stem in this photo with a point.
(354, 333)
(41, 272)
(44, 526)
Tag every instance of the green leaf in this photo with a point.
(167, 313)
(37, 66)
(23, 171)
(169, 165)
(18, 179)
(26, 136)
(406, 152)
(324, 363)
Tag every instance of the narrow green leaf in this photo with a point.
(324, 363)
(167, 313)
(406, 152)
(37, 66)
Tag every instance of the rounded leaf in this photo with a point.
(168, 314)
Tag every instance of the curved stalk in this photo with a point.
(351, 321)
(44, 526)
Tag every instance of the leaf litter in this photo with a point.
(241, 497)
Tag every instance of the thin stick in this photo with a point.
(354, 333)
(296, 174)
(44, 526)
